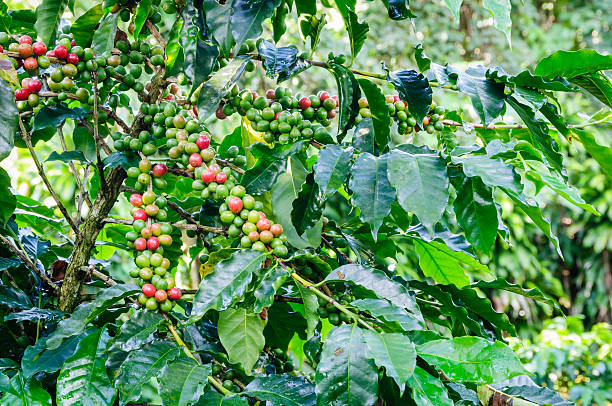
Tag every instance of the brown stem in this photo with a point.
(99, 139)
(77, 178)
(194, 227)
(99, 163)
(155, 33)
(43, 176)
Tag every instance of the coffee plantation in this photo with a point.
(341, 238)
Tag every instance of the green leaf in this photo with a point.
(527, 79)
(307, 208)
(363, 136)
(54, 116)
(205, 57)
(394, 352)
(282, 63)
(283, 389)
(227, 283)
(331, 169)
(247, 19)
(214, 398)
(537, 395)
(500, 9)
(414, 89)
(83, 378)
(346, 375)
(358, 33)
(454, 6)
(444, 265)
(241, 334)
(83, 27)
(104, 37)
(7, 71)
(282, 324)
(21, 392)
(476, 213)
(270, 282)
(573, 63)
(372, 192)
(39, 358)
(381, 121)
(427, 390)
(492, 172)
(394, 316)
(421, 183)
(218, 20)
(183, 381)
(472, 359)
(534, 293)
(378, 283)
(349, 94)
(487, 95)
(48, 16)
(175, 55)
(8, 201)
(601, 153)
(140, 16)
(35, 314)
(8, 121)
(67, 156)
(398, 9)
(217, 86)
(598, 84)
(311, 307)
(14, 298)
(539, 134)
(8, 263)
(142, 365)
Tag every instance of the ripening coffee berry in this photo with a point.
(235, 204)
(60, 52)
(174, 294)
(136, 200)
(140, 244)
(208, 176)
(152, 243)
(159, 170)
(148, 290)
(203, 142)
(140, 214)
(161, 296)
(220, 178)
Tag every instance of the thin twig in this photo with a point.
(155, 33)
(26, 260)
(43, 176)
(77, 178)
(193, 227)
(99, 139)
(116, 118)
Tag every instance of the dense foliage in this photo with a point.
(345, 240)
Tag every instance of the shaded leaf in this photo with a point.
(8, 201)
(14, 298)
(534, 293)
(331, 169)
(247, 18)
(358, 33)
(283, 389)
(270, 282)
(8, 120)
(598, 84)
(218, 20)
(381, 120)
(394, 352)
(348, 94)
(48, 16)
(83, 28)
(427, 390)
(67, 156)
(487, 95)
(398, 9)
(104, 36)
(394, 316)
(54, 116)
(34, 314)
(414, 89)
(183, 381)
(282, 63)
(39, 358)
(476, 213)
(492, 172)
(307, 208)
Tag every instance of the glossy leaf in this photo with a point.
(217, 86)
(381, 121)
(372, 192)
(8, 201)
(398, 9)
(472, 359)
(241, 334)
(283, 389)
(140, 16)
(573, 63)
(39, 358)
(48, 16)
(283, 62)
(394, 352)
(601, 153)
(358, 33)
(270, 282)
(183, 381)
(500, 9)
(205, 57)
(218, 20)
(378, 283)
(307, 208)
(428, 390)
(35, 314)
(227, 283)
(346, 375)
(414, 89)
(8, 120)
(537, 395)
(311, 307)
(533, 293)
(492, 172)
(104, 36)
(394, 316)
(487, 95)
(247, 18)
(83, 27)
(332, 168)
(83, 377)
(348, 96)
(421, 183)
(54, 116)
(140, 366)
(21, 392)
(598, 84)
(67, 156)
(476, 213)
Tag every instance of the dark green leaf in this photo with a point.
(381, 121)
(394, 352)
(140, 366)
(140, 16)
(138, 330)
(492, 172)
(487, 95)
(261, 177)
(363, 136)
(427, 390)
(215, 88)
(349, 94)
(282, 63)
(311, 307)
(598, 84)
(40, 358)
(227, 283)
(183, 381)
(421, 183)
(346, 375)
(14, 298)
(35, 314)
(331, 169)
(104, 37)
(205, 57)
(538, 395)
(48, 16)
(22, 392)
(372, 192)
(534, 293)
(214, 398)
(8, 121)
(414, 89)
(422, 60)
(283, 389)
(247, 19)
(83, 27)
(218, 20)
(573, 63)
(119, 159)
(476, 213)
(241, 334)
(83, 378)
(270, 282)
(358, 33)
(54, 116)
(67, 156)
(8, 201)
(472, 359)
(527, 79)
(394, 316)
(398, 9)
(307, 208)
(279, 21)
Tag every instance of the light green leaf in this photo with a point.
(394, 352)
(493, 172)
(601, 153)
(140, 17)
(22, 392)
(346, 375)
(500, 9)
(83, 27)
(427, 390)
(472, 359)
(573, 63)
(48, 16)
(358, 33)
(421, 183)
(454, 6)
(396, 317)
(104, 37)
(311, 307)
(183, 381)
(241, 334)
(8, 201)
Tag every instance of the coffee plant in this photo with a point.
(341, 238)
